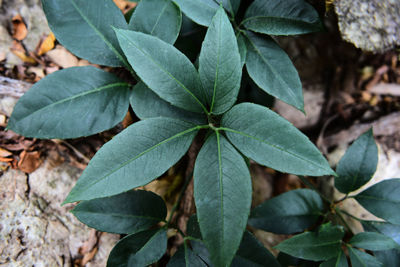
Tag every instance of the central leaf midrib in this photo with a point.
(221, 190)
(274, 146)
(82, 94)
(217, 67)
(295, 21)
(159, 17)
(166, 72)
(108, 43)
(119, 215)
(139, 155)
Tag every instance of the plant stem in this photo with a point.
(339, 213)
(307, 183)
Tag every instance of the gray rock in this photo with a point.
(372, 25)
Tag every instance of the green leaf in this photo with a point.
(241, 40)
(252, 253)
(186, 257)
(382, 200)
(70, 103)
(272, 70)
(84, 27)
(219, 64)
(362, 259)
(231, 6)
(270, 140)
(320, 246)
(147, 104)
(160, 18)
(127, 161)
(193, 228)
(200, 11)
(222, 193)
(388, 257)
(373, 241)
(358, 164)
(164, 69)
(282, 17)
(388, 229)
(125, 213)
(139, 249)
(288, 213)
(339, 261)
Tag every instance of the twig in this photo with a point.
(307, 183)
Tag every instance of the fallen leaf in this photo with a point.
(3, 56)
(89, 248)
(20, 52)
(29, 161)
(19, 28)
(89, 256)
(51, 69)
(124, 5)
(62, 57)
(128, 120)
(38, 72)
(6, 159)
(3, 120)
(386, 89)
(46, 45)
(5, 153)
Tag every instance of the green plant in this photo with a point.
(176, 100)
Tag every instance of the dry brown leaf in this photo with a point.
(5, 153)
(89, 248)
(38, 72)
(386, 89)
(3, 120)
(46, 45)
(20, 52)
(62, 57)
(51, 69)
(6, 159)
(124, 5)
(29, 161)
(128, 120)
(3, 56)
(19, 28)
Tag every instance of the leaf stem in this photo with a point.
(307, 183)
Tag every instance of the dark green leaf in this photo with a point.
(125, 213)
(193, 228)
(272, 70)
(147, 104)
(139, 249)
(164, 69)
(339, 261)
(160, 18)
(270, 140)
(127, 161)
(382, 200)
(200, 11)
(219, 64)
(362, 259)
(242, 48)
(186, 257)
(320, 246)
(70, 103)
(388, 229)
(201, 250)
(222, 192)
(358, 165)
(288, 213)
(252, 253)
(389, 257)
(84, 27)
(373, 241)
(282, 17)
(231, 6)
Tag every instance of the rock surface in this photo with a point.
(372, 25)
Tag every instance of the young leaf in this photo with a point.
(186, 257)
(125, 213)
(242, 48)
(164, 69)
(146, 104)
(362, 259)
(373, 241)
(276, 17)
(84, 27)
(200, 11)
(272, 70)
(160, 18)
(219, 64)
(358, 165)
(320, 246)
(388, 257)
(339, 261)
(388, 229)
(70, 103)
(252, 253)
(288, 213)
(270, 140)
(126, 161)
(222, 193)
(382, 200)
(231, 6)
(139, 249)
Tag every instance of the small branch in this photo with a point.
(338, 212)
